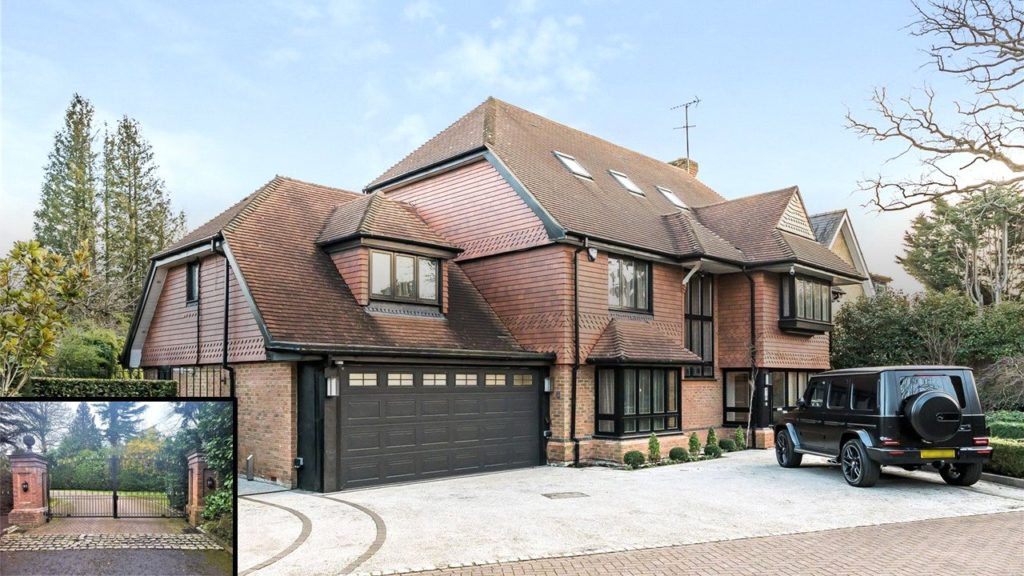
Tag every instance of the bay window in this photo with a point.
(637, 401)
(805, 305)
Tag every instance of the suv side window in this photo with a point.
(865, 392)
(815, 395)
(839, 394)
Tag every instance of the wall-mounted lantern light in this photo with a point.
(592, 254)
(333, 379)
(210, 483)
(24, 486)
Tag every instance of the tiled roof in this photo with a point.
(739, 231)
(379, 217)
(826, 224)
(638, 341)
(302, 298)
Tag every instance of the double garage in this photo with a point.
(366, 424)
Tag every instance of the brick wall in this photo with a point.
(267, 424)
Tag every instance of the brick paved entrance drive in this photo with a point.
(988, 544)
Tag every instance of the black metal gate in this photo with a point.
(116, 487)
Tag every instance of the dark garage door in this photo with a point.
(402, 423)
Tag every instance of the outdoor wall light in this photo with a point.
(592, 254)
(24, 486)
(210, 483)
(792, 270)
(332, 385)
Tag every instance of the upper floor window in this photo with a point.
(629, 285)
(672, 197)
(805, 305)
(626, 182)
(573, 165)
(395, 276)
(700, 325)
(192, 282)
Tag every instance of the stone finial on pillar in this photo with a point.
(28, 476)
(201, 481)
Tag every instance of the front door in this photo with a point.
(309, 465)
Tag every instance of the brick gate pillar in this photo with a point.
(28, 476)
(201, 481)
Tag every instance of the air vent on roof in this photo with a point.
(626, 182)
(671, 196)
(573, 166)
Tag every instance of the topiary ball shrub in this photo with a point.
(634, 459)
(653, 449)
(712, 451)
(740, 437)
(694, 444)
(679, 454)
(712, 437)
(727, 445)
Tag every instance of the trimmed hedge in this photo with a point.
(727, 445)
(634, 459)
(1007, 457)
(679, 454)
(1005, 416)
(97, 388)
(1012, 430)
(713, 451)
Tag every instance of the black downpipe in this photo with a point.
(753, 357)
(576, 348)
(227, 309)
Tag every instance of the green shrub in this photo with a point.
(1007, 457)
(694, 444)
(1005, 416)
(653, 448)
(634, 459)
(1011, 430)
(713, 451)
(712, 437)
(727, 445)
(740, 437)
(46, 387)
(679, 454)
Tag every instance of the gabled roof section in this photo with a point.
(628, 341)
(826, 225)
(375, 216)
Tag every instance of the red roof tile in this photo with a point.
(373, 215)
(638, 341)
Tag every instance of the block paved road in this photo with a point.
(977, 545)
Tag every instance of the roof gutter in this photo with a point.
(320, 348)
(219, 249)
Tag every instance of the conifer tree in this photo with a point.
(121, 420)
(69, 208)
(83, 434)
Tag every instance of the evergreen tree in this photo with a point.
(83, 434)
(69, 210)
(139, 220)
(120, 420)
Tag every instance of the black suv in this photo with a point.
(905, 416)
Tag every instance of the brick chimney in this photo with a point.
(682, 163)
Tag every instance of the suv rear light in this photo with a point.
(889, 441)
(981, 440)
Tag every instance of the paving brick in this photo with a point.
(985, 544)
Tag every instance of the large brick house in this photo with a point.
(511, 293)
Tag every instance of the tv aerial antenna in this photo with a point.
(686, 125)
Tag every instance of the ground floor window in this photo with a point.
(637, 401)
(738, 390)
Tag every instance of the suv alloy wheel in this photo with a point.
(858, 469)
(784, 452)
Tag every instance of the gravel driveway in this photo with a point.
(510, 515)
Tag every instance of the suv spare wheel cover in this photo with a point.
(935, 416)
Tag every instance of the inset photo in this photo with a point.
(117, 487)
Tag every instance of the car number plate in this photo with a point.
(937, 454)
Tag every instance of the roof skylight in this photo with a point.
(573, 166)
(671, 196)
(626, 182)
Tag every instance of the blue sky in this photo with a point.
(336, 91)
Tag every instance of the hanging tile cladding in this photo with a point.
(354, 267)
(474, 207)
(777, 349)
(172, 336)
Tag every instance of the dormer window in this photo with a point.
(626, 182)
(403, 277)
(573, 166)
(671, 197)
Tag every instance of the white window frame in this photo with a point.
(626, 183)
(573, 165)
(673, 198)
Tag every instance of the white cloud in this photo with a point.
(420, 10)
(526, 57)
